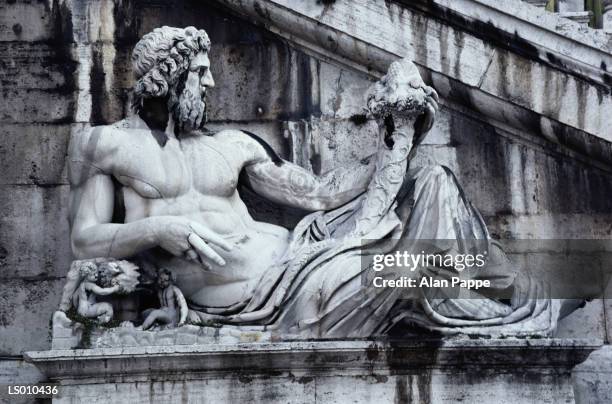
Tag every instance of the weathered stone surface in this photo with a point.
(15, 371)
(18, 371)
(593, 378)
(550, 92)
(25, 313)
(430, 371)
(551, 226)
(377, 33)
(587, 322)
(40, 66)
(607, 303)
(343, 92)
(273, 80)
(321, 145)
(26, 21)
(36, 106)
(34, 223)
(33, 154)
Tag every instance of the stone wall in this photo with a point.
(65, 64)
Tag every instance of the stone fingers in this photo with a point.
(432, 93)
(191, 255)
(210, 237)
(430, 115)
(204, 250)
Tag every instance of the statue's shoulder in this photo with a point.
(92, 150)
(230, 136)
(254, 147)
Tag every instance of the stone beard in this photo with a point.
(187, 104)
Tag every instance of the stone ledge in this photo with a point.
(72, 366)
(471, 47)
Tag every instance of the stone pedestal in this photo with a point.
(436, 371)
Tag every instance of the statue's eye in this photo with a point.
(202, 71)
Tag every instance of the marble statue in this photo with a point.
(88, 279)
(177, 186)
(173, 307)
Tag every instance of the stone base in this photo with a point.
(436, 371)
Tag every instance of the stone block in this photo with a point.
(587, 322)
(222, 27)
(33, 154)
(593, 378)
(323, 145)
(107, 83)
(262, 81)
(503, 174)
(232, 389)
(550, 226)
(571, 5)
(42, 66)
(27, 21)
(26, 308)
(550, 92)
(53, 106)
(343, 92)
(17, 372)
(34, 232)
(444, 387)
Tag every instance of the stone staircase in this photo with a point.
(594, 13)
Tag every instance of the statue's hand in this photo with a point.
(432, 107)
(188, 239)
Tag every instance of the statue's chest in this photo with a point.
(215, 167)
(176, 169)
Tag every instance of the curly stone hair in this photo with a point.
(162, 56)
(87, 268)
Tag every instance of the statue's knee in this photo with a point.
(437, 170)
(107, 308)
(431, 173)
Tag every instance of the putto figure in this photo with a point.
(182, 210)
(173, 307)
(88, 279)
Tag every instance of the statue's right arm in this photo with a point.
(90, 167)
(93, 235)
(102, 291)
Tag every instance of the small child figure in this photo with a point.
(87, 305)
(173, 310)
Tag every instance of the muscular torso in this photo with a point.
(197, 178)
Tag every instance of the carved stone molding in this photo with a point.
(326, 371)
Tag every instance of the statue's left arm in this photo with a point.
(289, 184)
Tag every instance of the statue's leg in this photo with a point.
(158, 315)
(104, 312)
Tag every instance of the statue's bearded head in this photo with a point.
(172, 64)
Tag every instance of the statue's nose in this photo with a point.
(207, 80)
